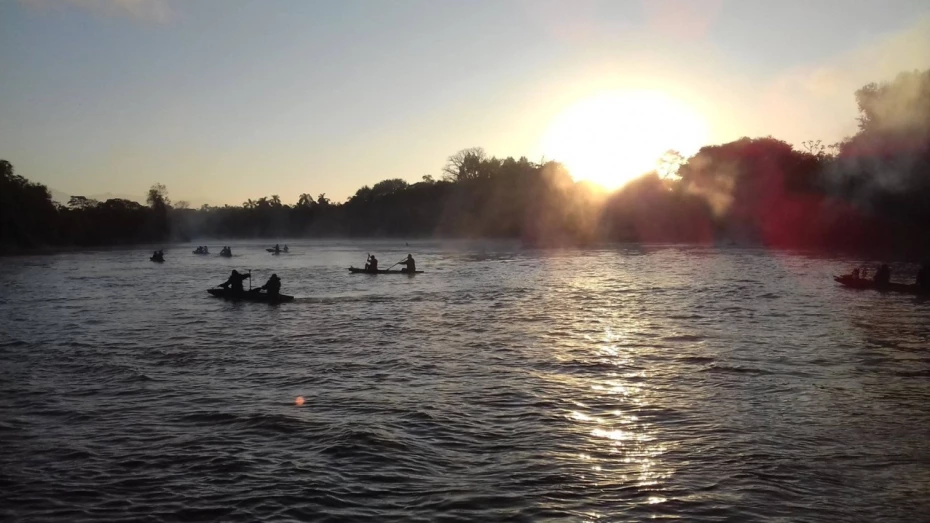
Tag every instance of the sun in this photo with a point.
(616, 136)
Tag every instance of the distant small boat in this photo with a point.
(355, 270)
(864, 284)
(200, 253)
(226, 254)
(261, 297)
(157, 260)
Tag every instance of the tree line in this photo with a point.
(870, 191)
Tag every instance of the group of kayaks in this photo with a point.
(851, 281)
(255, 295)
(847, 280)
(261, 297)
(881, 280)
(225, 252)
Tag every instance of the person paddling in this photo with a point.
(372, 265)
(923, 276)
(882, 275)
(272, 286)
(235, 281)
(411, 265)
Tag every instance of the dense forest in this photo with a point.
(868, 192)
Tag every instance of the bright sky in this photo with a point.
(224, 100)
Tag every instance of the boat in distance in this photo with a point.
(862, 284)
(356, 270)
(260, 297)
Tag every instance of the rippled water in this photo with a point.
(503, 384)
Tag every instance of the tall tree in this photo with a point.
(305, 200)
(465, 165)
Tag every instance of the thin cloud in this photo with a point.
(147, 10)
(879, 61)
(819, 102)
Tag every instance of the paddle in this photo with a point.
(396, 264)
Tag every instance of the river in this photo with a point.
(618, 384)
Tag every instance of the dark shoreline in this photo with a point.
(901, 255)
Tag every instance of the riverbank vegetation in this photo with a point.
(868, 192)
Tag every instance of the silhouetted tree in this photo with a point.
(669, 164)
(158, 201)
(900, 107)
(305, 200)
(27, 214)
(465, 165)
(157, 197)
(82, 203)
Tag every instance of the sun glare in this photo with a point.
(616, 136)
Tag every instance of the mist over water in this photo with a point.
(615, 384)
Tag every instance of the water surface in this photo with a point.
(619, 384)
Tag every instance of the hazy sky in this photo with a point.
(223, 100)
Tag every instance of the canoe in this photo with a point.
(200, 253)
(225, 255)
(862, 284)
(157, 260)
(355, 270)
(250, 296)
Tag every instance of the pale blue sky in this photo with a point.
(223, 100)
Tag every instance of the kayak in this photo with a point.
(862, 284)
(355, 270)
(250, 296)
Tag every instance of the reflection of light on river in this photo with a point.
(621, 449)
